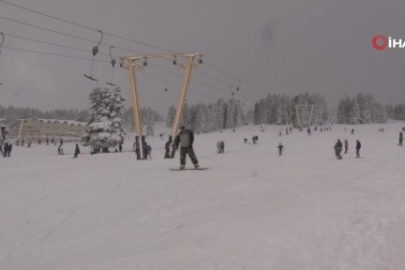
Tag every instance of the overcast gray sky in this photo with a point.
(318, 46)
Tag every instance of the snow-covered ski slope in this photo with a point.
(251, 210)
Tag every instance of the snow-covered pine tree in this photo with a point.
(354, 115)
(105, 126)
(365, 108)
(148, 120)
(170, 116)
(221, 114)
(230, 113)
(238, 114)
(341, 114)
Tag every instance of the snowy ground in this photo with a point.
(251, 210)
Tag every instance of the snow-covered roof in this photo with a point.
(60, 121)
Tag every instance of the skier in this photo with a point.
(280, 149)
(1, 150)
(185, 139)
(222, 147)
(346, 146)
(401, 138)
(309, 131)
(245, 140)
(254, 139)
(358, 146)
(77, 151)
(167, 147)
(352, 131)
(338, 149)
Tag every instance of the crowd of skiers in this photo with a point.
(184, 142)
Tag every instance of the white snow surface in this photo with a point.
(251, 210)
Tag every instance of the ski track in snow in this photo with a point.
(251, 210)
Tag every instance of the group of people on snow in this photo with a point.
(339, 147)
(6, 150)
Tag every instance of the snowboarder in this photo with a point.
(401, 138)
(167, 147)
(358, 146)
(280, 149)
(185, 140)
(346, 146)
(338, 149)
(77, 151)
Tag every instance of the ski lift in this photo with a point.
(113, 62)
(94, 51)
(1, 44)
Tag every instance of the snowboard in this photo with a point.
(190, 169)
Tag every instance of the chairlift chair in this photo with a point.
(94, 52)
(113, 62)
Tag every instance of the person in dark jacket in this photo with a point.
(401, 138)
(77, 151)
(358, 146)
(338, 149)
(280, 149)
(167, 147)
(120, 147)
(222, 147)
(185, 140)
